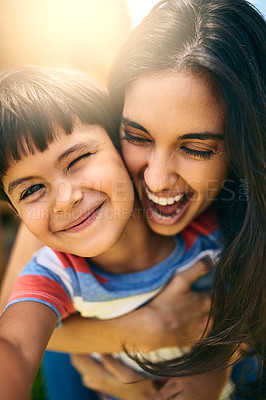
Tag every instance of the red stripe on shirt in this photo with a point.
(49, 291)
(79, 264)
(204, 224)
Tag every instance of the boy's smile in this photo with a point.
(84, 220)
(76, 196)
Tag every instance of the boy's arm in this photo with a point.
(23, 249)
(12, 374)
(25, 329)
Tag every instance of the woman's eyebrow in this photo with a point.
(133, 124)
(202, 136)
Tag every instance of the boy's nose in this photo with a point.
(66, 197)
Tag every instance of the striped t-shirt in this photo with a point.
(71, 284)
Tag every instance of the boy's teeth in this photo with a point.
(163, 201)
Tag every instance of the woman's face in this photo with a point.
(173, 146)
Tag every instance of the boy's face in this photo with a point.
(76, 196)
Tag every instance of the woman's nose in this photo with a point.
(66, 196)
(159, 174)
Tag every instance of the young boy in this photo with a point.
(62, 174)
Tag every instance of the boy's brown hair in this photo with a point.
(37, 101)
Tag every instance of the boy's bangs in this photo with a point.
(36, 103)
(31, 129)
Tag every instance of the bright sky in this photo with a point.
(139, 8)
(261, 5)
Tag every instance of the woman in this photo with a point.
(222, 45)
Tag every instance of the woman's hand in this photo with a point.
(112, 377)
(196, 387)
(177, 316)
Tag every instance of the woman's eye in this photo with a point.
(204, 155)
(134, 139)
(78, 159)
(31, 190)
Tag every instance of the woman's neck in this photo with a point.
(137, 249)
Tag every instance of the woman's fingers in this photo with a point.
(93, 374)
(180, 314)
(185, 279)
(113, 378)
(107, 367)
(83, 363)
(119, 370)
(169, 391)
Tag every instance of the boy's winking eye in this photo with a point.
(89, 147)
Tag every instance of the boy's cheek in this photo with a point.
(32, 215)
(122, 190)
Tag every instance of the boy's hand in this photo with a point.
(113, 378)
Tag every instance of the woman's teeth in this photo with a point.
(166, 217)
(163, 201)
(166, 208)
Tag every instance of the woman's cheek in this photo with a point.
(134, 158)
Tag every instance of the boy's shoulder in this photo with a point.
(204, 227)
(52, 258)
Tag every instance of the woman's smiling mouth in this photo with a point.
(166, 209)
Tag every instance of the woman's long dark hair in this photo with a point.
(225, 39)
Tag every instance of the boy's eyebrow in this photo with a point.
(74, 148)
(200, 136)
(18, 182)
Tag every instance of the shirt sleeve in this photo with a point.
(45, 280)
